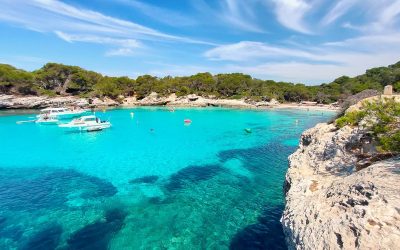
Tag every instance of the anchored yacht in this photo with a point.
(60, 113)
(87, 123)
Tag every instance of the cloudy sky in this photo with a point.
(310, 41)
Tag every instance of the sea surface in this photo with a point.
(150, 181)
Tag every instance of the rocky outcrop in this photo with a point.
(32, 102)
(153, 99)
(332, 205)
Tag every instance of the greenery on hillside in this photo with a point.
(57, 79)
(381, 118)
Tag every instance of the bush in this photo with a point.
(350, 118)
(382, 118)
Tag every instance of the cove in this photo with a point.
(151, 181)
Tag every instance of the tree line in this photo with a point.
(58, 79)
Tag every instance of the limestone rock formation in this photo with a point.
(26, 102)
(331, 205)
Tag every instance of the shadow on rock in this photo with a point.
(192, 174)
(266, 234)
(49, 190)
(46, 239)
(149, 179)
(97, 235)
(273, 155)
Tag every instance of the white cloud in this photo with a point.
(162, 15)
(121, 52)
(247, 50)
(290, 13)
(315, 64)
(51, 16)
(338, 10)
(236, 14)
(129, 43)
(241, 14)
(316, 73)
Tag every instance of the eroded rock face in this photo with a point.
(330, 205)
(26, 102)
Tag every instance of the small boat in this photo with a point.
(47, 120)
(61, 113)
(87, 123)
(187, 121)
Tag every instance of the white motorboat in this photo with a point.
(87, 123)
(61, 113)
(47, 120)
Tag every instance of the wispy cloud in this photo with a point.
(312, 64)
(235, 14)
(290, 13)
(378, 16)
(129, 43)
(161, 15)
(249, 50)
(121, 52)
(241, 14)
(81, 25)
(338, 10)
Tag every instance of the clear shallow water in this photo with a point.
(149, 182)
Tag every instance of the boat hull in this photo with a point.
(88, 128)
(65, 115)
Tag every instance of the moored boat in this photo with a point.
(47, 120)
(61, 113)
(87, 123)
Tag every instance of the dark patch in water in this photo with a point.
(145, 179)
(97, 235)
(2, 221)
(11, 232)
(192, 174)
(160, 200)
(260, 158)
(46, 239)
(266, 234)
(49, 190)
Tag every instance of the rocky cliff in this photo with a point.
(333, 203)
(153, 99)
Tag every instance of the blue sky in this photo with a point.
(309, 41)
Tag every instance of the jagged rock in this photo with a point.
(129, 101)
(106, 101)
(331, 205)
(26, 102)
(192, 97)
(153, 100)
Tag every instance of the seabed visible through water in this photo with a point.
(149, 182)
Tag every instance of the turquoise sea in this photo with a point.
(150, 181)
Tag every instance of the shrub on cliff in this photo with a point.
(381, 118)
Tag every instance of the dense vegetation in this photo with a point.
(58, 79)
(381, 118)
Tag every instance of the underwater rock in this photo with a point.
(46, 239)
(192, 174)
(97, 235)
(49, 190)
(266, 234)
(2, 221)
(251, 159)
(149, 179)
(13, 232)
